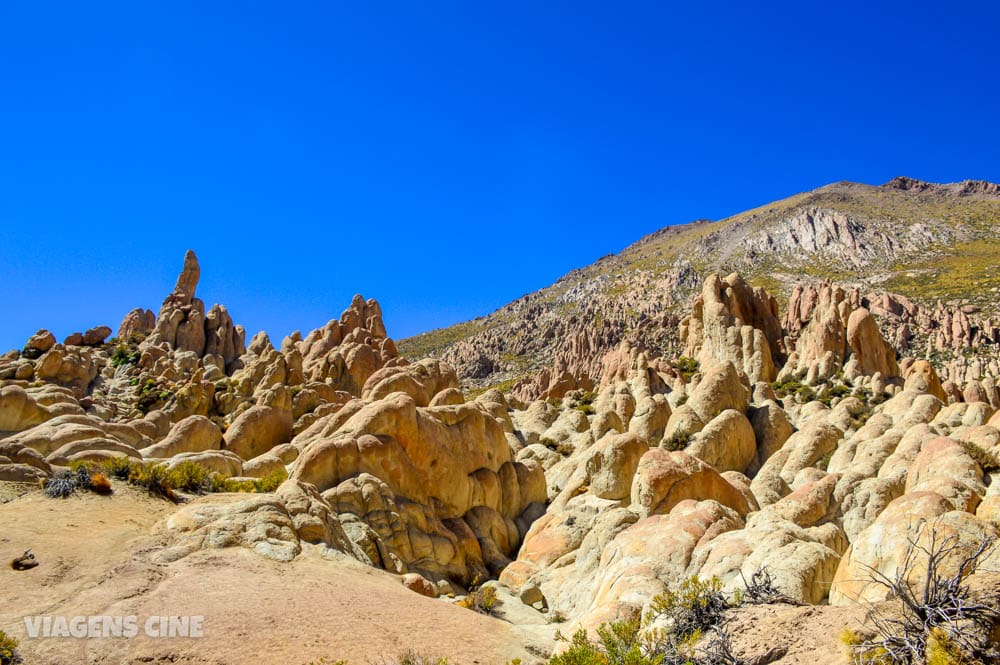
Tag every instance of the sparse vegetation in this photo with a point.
(678, 441)
(78, 477)
(694, 608)
(61, 485)
(987, 460)
(152, 394)
(760, 589)
(124, 355)
(481, 600)
(695, 633)
(100, 484)
(686, 367)
(189, 476)
(937, 620)
(8, 650)
(835, 391)
(156, 478)
(584, 404)
(564, 448)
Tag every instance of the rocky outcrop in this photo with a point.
(832, 327)
(733, 322)
(445, 473)
(182, 324)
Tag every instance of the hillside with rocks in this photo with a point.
(920, 256)
(329, 498)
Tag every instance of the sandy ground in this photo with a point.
(92, 549)
(807, 635)
(93, 553)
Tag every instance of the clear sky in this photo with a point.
(444, 158)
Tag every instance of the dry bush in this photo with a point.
(937, 620)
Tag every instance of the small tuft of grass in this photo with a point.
(8, 650)
(680, 440)
(482, 600)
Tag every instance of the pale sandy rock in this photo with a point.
(57, 432)
(218, 461)
(988, 511)
(663, 479)
(607, 468)
(421, 381)
(257, 430)
(802, 561)
(191, 435)
(532, 422)
(419, 584)
(434, 467)
(448, 397)
(719, 389)
(922, 378)
(76, 450)
(726, 443)
(652, 413)
(313, 518)
(39, 343)
(803, 449)
(263, 465)
(943, 466)
(19, 410)
(914, 517)
(732, 322)
(873, 353)
(95, 336)
(71, 367)
(257, 522)
(653, 554)
(605, 422)
(742, 485)
(402, 536)
(138, 323)
(348, 351)
(21, 473)
(14, 451)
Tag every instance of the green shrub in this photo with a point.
(188, 476)
(124, 355)
(271, 481)
(986, 460)
(482, 600)
(619, 643)
(411, 657)
(679, 441)
(686, 367)
(694, 608)
(119, 468)
(217, 482)
(8, 650)
(153, 477)
(805, 394)
(151, 395)
(833, 392)
(564, 448)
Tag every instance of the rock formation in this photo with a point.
(806, 445)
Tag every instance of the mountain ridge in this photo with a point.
(906, 237)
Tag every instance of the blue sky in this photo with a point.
(444, 158)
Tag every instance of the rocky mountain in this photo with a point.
(328, 498)
(921, 256)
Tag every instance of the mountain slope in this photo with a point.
(930, 243)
